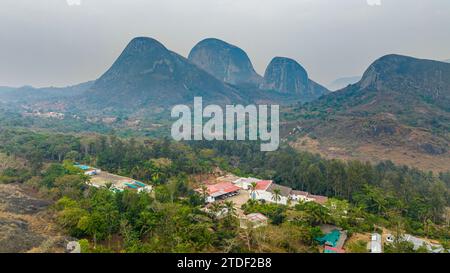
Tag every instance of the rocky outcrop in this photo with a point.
(147, 73)
(287, 76)
(224, 61)
(427, 80)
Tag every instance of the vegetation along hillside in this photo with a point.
(398, 111)
(362, 197)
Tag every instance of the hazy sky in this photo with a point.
(63, 42)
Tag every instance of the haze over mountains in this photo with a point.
(399, 110)
(147, 73)
(343, 82)
(26, 94)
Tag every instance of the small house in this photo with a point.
(417, 242)
(245, 183)
(375, 243)
(220, 191)
(301, 196)
(254, 220)
(329, 249)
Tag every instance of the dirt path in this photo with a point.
(239, 200)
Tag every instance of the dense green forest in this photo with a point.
(171, 220)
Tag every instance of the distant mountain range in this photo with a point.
(29, 94)
(343, 82)
(399, 110)
(148, 74)
(232, 65)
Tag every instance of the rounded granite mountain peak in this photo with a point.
(141, 55)
(394, 69)
(285, 75)
(147, 73)
(144, 43)
(224, 61)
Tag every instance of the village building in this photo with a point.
(334, 237)
(229, 185)
(265, 190)
(138, 186)
(418, 243)
(375, 244)
(220, 191)
(283, 196)
(318, 199)
(260, 190)
(116, 183)
(88, 170)
(73, 247)
(329, 249)
(245, 183)
(254, 220)
(301, 196)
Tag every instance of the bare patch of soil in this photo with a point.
(26, 224)
(374, 153)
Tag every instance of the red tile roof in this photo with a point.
(319, 199)
(263, 185)
(334, 249)
(221, 188)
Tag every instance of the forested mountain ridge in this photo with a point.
(148, 75)
(399, 110)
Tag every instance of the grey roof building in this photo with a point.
(284, 191)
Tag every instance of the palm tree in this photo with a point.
(229, 205)
(276, 195)
(204, 190)
(318, 214)
(253, 192)
(137, 172)
(156, 174)
(216, 209)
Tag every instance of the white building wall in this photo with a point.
(301, 198)
(268, 197)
